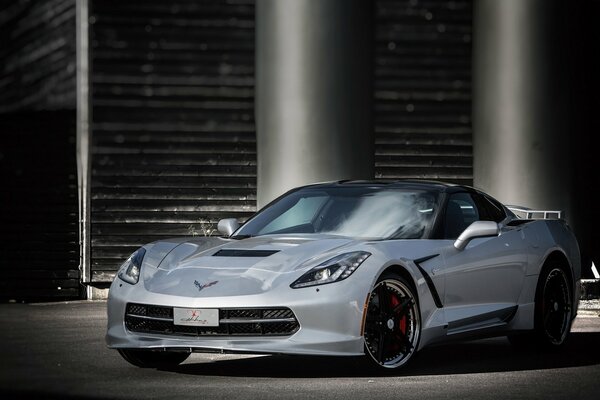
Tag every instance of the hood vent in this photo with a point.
(244, 253)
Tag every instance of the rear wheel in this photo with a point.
(553, 307)
(393, 322)
(153, 359)
(553, 311)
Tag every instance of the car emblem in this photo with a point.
(201, 286)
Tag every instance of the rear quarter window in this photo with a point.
(489, 210)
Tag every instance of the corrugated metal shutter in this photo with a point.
(173, 122)
(423, 89)
(37, 55)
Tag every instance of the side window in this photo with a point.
(489, 210)
(461, 212)
(301, 213)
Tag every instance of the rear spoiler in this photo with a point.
(527, 213)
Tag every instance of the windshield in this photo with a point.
(357, 212)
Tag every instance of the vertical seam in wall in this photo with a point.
(83, 137)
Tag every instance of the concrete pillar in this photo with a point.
(313, 93)
(521, 138)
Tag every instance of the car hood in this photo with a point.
(217, 267)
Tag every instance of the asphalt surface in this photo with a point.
(57, 351)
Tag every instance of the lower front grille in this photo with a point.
(279, 321)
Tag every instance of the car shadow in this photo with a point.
(481, 356)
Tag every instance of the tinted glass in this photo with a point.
(461, 212)
(358, 212)
(489, 210)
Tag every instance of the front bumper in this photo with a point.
(329, 318)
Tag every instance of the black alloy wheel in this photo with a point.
(393, 322)
(554, 310)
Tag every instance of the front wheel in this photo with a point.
(393, 322)
(153, 359)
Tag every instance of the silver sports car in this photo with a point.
(379, 269)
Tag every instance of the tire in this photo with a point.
(553, 312)
(392, 327)
(553, 307)
(153, 359)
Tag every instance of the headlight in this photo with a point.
(130, 270)
(333, 270)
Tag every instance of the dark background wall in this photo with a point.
(39, 247)
(582, 65)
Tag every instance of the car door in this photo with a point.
(484, 280)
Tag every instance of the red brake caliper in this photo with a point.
(401, 323)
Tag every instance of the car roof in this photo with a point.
(398, 183)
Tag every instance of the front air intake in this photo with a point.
(278, 321)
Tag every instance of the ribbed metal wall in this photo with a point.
(423, 89)
(37, 68)
(173, 140)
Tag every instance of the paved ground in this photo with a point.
(57, 351)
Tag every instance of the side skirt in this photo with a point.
(492, 320)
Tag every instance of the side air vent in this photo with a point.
(244, 253)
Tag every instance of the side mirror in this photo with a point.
(476, 230)
(227, 226)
